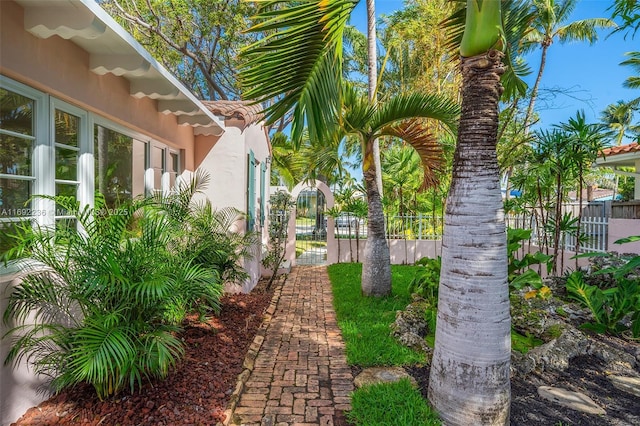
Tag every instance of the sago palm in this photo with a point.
(299, 63)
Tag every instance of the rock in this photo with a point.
(556, 354)
(574, 400)
(626, 384)
(370, 376)
(410, 326)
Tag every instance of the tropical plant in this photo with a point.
(610, 306)
(550, 25)
(520, 272)
(425, 283)
(281, 205)
(470, 379)
(205, 234)
(299, 63)
(100, 306)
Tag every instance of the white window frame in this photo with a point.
(43, 159)
(42, 151)
(84, 195)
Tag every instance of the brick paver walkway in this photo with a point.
(300, 376)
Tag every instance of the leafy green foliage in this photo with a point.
(427, 279)
(520, 274)
(102, 303)
(391, 404)
(523, 343)
(608, 306)
(281, 204)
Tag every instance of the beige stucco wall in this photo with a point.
(623, 228)
(19, 388)
(402, 252)
(61, 68)
(225, 158)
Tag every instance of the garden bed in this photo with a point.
(196, 393)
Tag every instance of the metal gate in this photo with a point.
(311, 228)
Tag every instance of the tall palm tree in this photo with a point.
(469, 381)
(550, 24)
(299, 63)
(633, 82)
(372, 78)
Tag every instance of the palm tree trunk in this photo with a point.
(536, 86)
(469, 382)
(372, 75)
(376, 264)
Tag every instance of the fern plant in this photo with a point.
(97, 305)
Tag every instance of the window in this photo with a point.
(119, 165)
(49, 147)
(17, 140)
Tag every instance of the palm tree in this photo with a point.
(633, 82)
(550, 25)
(469, 381)
(619, 118)
(299, 63)
(372, 78)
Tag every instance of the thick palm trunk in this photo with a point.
(376, 264)
(469, 381)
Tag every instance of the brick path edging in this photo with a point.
(252, 353)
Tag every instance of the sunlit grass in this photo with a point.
(365, 321)
(391, 404)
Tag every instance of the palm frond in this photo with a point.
(423, 141)
(415, 105)
(297, 65)
(583, 30)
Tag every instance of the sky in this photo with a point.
(589, 75)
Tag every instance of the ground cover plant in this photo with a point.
(365, 325)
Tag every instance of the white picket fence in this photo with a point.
(594, 230)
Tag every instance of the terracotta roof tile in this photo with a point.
(244, 110)
(622, 149)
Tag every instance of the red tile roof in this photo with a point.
(622, 149)
(243, 110)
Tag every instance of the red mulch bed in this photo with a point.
(196, 393)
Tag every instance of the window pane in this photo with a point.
(157, 157)
(173, 164)
(16, 112)
(15, 155)
(114, 165)
(13, 196)
(67, 128)
(66, 164)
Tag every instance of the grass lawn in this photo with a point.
(364, 322)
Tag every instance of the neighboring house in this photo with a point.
(624, 221)
(84, 108)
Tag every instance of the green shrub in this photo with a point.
(100, 306)
(427, 279)
(390, 404)
(608, 306)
